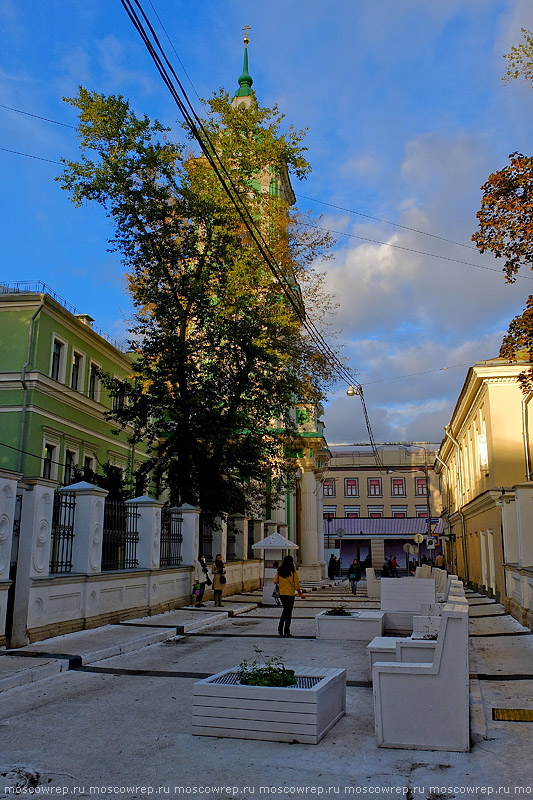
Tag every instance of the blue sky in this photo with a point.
(407, 116)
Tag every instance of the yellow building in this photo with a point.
(484, 462)
(389, 493)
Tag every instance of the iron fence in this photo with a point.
(231, 540)
(171, 538)
(120, 537)
(251, 540)
(62, 532)
(206, 540)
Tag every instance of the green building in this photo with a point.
(52, 403)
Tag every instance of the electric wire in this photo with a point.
(387, 222)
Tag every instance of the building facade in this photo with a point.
(52, 404)
(484, 463)
(402, 487)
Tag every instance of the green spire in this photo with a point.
(245, 80)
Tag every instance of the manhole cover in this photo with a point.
(245, 623)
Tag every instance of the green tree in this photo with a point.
(506, 220)
(219, 351)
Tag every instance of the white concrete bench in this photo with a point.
(373, 586)
(401, 598)
(421, 700)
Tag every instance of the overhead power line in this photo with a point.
(37, 116)
(387, 222)
(28, 155)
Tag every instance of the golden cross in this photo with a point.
(246, 29)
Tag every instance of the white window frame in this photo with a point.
(351, 494)
(392, 487)
(62, 358)
(98, 384)
(329, 482)
(81, 371)
(375, 494)
(54, 443)
(424, 485)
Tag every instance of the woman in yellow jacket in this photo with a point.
(286, 578)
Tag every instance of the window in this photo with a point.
(88, 467)
(351, 512)
(351, 487)
(398, 487)
(483, 453)
(94, 383)
(420, 487)
(70, 458)
(57, 357)
(328, 488)
(76, 372)
(399, 514)
(48, 460)
(374, 487)
(421, 511)
(375, 512)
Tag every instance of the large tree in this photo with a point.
(221, 356)
(506, 220)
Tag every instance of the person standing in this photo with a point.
(354, 575)
(332, 567)
(440, 562)
(219, 579)
(287, 581)
(201, 579)
(394, 568)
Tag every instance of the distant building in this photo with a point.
(484, 463)
(52, 404)
(356, 487)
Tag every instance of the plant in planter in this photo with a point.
(338, 611)
(272, 673)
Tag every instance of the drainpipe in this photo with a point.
(459, 509)
(25, 386)
(525, 434)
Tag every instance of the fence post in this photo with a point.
(220, 539)
(34, 550)
(8, 496)
(88, 527)
(190, 530)
(149, 530)
(240, 523)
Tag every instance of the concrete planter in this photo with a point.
(303, 713)
(360, 626)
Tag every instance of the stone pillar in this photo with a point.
(149, 530)
(241, 524)
(34, 550)
(8, 496)
(270, 527)
(510, 530)
(88, 527)
(256, 532)
(524, 513)
(190, 530)
(377, 552)
(310, 569)
(220, 539)
(320, 526)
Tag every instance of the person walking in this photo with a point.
(354, 575)
(286, 579)
(332, 567)
(201, 579)
(219, 579)
(440, 562)
(394, 568)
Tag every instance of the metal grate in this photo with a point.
(251, 540)
(231, 540)
(513, 714)
(171, 538)
(302, 681)
(62, 532)
(119, 545)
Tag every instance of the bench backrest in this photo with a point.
(406, 594)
